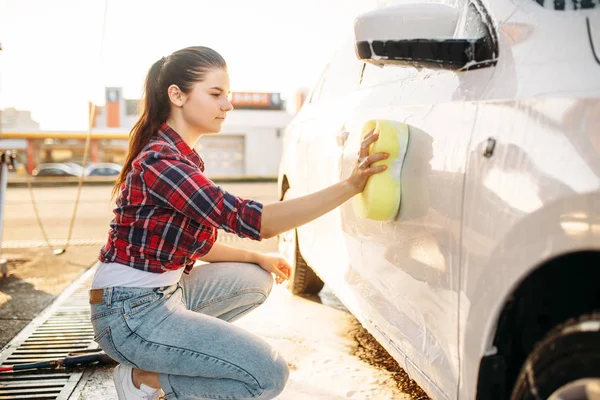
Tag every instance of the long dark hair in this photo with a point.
(182, 68)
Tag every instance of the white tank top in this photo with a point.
(115, 274)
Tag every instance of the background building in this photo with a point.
(13, 119)
(248, 146)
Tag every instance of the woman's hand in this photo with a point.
(289, 214)
(277, 266)
(363, 170)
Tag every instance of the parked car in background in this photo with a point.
(56, 169)
(103, 169)
(486, 283)
(77, 168)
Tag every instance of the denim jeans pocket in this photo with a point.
(102, 311)
(105, 340)
(140, 303)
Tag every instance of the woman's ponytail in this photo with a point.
(155, 111)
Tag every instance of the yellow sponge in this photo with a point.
(380, 200)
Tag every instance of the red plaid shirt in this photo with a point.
(168, 211)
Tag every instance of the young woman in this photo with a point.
(165, 322)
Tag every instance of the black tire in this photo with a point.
(568, 353)
(303, 279)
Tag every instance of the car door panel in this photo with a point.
(406, 272)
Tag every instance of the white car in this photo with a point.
(486, 285)
(103, 169)
(57, 169)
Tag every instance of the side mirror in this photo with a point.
(419, 35)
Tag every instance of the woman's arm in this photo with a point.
(275, 265)
(283, 216)
(222, 253)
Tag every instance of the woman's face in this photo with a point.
(207, 105)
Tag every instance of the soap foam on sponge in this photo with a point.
(380, 200)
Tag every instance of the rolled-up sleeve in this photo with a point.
(242, 217)
(175, 182)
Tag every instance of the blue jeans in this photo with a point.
(183, 332)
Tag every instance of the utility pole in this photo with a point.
(7, 161)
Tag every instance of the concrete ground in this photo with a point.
(329, 354)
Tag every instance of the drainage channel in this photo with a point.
(62, 327)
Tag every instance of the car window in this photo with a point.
(52, 171)
(342, 75)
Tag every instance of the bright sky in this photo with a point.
(53, 61)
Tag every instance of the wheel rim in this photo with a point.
(581, 389)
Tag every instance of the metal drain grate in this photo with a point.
(63, 327)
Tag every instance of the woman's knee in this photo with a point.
(263, 280)
(275, 379)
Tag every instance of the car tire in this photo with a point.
(565, 365)
(303, 280)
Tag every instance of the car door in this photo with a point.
(323, 137)
(404, 274)
(407, 271)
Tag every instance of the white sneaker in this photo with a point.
(126, 390)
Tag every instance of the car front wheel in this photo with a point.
(565, 365)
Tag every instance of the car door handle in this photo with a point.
(341, 137)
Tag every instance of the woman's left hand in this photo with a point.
(277, 266)
(363, 169)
